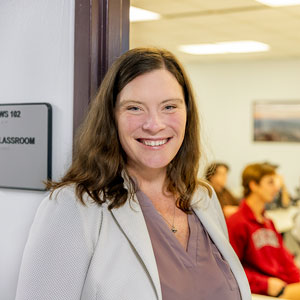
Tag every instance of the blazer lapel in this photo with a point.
(204, 208)
(208, 217)
(213, 230)
(132, 223)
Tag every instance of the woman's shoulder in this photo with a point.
(68, 195)
(204, 195)
(205, 198)
(64, 201)
(62, 211)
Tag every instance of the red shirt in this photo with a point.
(260, 249)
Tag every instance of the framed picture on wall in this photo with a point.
(276, 121)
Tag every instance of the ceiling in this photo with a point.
(211, 21)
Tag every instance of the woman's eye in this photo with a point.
(170, 107)
(133, 108)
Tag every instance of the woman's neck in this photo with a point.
(153, 179)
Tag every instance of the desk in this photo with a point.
(261, 297)
(282, 217)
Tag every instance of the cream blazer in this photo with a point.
(77, 252)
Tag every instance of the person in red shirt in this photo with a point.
(269, 266)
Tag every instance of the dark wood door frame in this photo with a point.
(101, 35)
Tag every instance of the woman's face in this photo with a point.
(151, 119)
(219, 179)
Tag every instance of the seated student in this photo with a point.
(216, 174)
(268, 265)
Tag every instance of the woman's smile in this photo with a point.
(153, 143)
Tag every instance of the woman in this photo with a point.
(216, 173)
(130, 220)
(268, 264)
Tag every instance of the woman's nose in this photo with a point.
(153, 123)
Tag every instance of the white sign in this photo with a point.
(25, 145)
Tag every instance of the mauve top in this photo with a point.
(198, 273)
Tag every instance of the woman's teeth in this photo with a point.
(154, 143)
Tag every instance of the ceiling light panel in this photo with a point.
(138, 15)
(279, 2)
(225, 48)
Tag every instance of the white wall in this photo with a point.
(36, 59)
(225, 93)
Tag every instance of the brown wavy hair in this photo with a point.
(99, 161)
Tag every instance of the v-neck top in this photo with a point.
(199, 272)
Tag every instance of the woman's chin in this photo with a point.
(156, 165)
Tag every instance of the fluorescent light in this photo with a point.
(225, 47)
(279, 2)
(138, 14)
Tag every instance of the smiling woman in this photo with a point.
(151, 125)
(130, 219)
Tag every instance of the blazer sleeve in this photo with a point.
(220, 214)
(59, 248)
